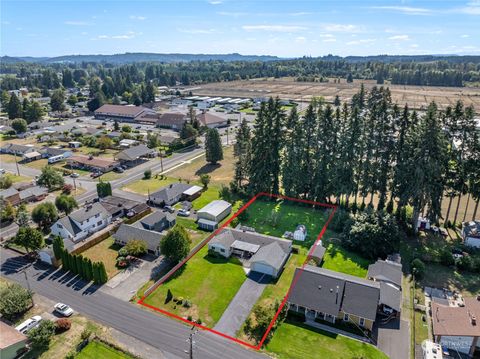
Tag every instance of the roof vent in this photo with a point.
(331, 290)
(473, 319)
(319, 287)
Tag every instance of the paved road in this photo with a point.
(158, 331)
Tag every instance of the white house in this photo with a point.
(82, 223)
(213, 213)
(471, 233)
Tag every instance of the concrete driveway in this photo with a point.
(393, 338)
(242, 304)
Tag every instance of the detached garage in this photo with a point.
(212, 214)
(269, 260)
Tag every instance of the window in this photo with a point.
(345, 317)
(99, 223)
(59, 225)
(362, 322)
(222, 250)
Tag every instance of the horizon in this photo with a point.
(286, 29)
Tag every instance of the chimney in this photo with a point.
(473, 319)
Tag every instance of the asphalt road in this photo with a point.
(156, 330)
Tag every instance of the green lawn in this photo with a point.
(421, 328)
(106, 251)
(294, 340)
(208, 283)
(15, 178)
(341, 260)
(196, 234)
(96, 349)
(143, 186)
(277, 217)
(207, 196)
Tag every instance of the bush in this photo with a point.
(199, 321)
(466, 264)
(234, 222)
(189, 318)
(340, 220)
(187, 303)
(147, 174)
(136, 247)
(418, 268)
(122, 252)
(62, 325)
(41, 335)
(446, 258)
(14, 300)
(86, 334)
(122, 262)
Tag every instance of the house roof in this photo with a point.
(170, 191)
(32, 154)
(390, 296)
(10, 336)
(9, 192)
(156, 217)
(172, 118)
(120, 110)
(34, 191)
(215, 207)
(318, 252)
(113, 203)
(386, 271)
(69, 225)
(126, 233)
(17, 148)
(52, 151)
(457, 321)
(208, 118)
(92, 161)
(89, 211)
(192, 190)
(135, 152)
(272, 254)
(316, 288)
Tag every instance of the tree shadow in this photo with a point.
(207, 168)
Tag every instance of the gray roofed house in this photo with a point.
(269, 259)
(35, 193)
(127, 233)
(88, 212)
(169, 194)
(52, 151)
(135, 153)
(390, 296)
(386, 271)
(119, 206)
(16, 149)
(158, 221)
(361, 298)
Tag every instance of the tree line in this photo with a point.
(358, 151)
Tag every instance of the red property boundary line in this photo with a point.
(205, 241)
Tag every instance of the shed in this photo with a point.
(317, 253)
(193, 192)
(215, 212)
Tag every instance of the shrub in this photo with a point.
(340, 220)
(180, 300)
(14, 300)
(62, 325)
(187, 304)
(418, 268)
(446, 258)
(136, 247)
(199, 321)
(122, 262)
(41, 335)
(86, 334)
(189, 318)
(234, 222)
(466, 264)
(147, 174)
(122, 252)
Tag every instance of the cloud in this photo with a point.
(361, 41)
(326, 35)
(329, 40)
(76, 23)
(232, 14)
(197, 31)
(300, 39)
(300, 13)
(140, 18)
(399, 38)
(274, 28)
(407, 10)
(127, 36)
(215, 2)
(465, 36)
(341, 28)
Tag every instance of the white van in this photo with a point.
(29, 324)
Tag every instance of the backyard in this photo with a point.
(106, 251)
(341, 260)
(198, 282)
(294, 340)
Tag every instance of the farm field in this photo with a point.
(287, 88)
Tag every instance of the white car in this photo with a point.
(63, 309)
(183, 212)
(29, 324)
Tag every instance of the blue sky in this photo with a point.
(283, 28)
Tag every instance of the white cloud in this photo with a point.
(274, 28)
(414, 46)
(361, 41)
(127, 36)
(300, 13)
(197, 31)
(215, 2)
(472, 8)
(399, 38)
(326, 35)
(300, 39)
(405, 10)
(76, 23)
(140, 18)
(465, 36)
(232, 14)
(329, 40)
(341, 28)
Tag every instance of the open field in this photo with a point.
(208, 283)
(106, 251)
(294, 340)
(287, 88)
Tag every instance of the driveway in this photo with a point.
(393, 338)
(241, 305)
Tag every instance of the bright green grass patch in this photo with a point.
(207, 196)
(294, 340)
(153, 184)
(208, 283)
(111, 176)
(340, 260)
(421, 328)
(96, 349)
(15, 178)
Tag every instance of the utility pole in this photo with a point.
(227, 135)
(16, 163)
(28, 284)
(161, 160)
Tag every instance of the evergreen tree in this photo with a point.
(213, 146)
(14, 108)
(292, 176)
(58, 247)
(57, 100)
(242, 153)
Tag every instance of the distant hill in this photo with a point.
(139, 57)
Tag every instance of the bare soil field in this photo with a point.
(417, 97)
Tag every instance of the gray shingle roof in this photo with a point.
(390, 296)
(33, 192)
(53, 151)
(386, 271)
(361, 299)
(8, 192)
(126, 233)
(88, 212)
(17, 148)
(229, 235)
(69, 225)
(171, 191)
(156, 217)
(318, 252)
(271, 254)
(135, 152)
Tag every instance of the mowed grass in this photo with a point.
(15, 178)
(106, 251)
(208, 283)
(151, 185)
(295, 340)
(96, 349)
(341, 260)
(421, 328)
(277, 217)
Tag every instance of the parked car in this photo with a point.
(29, 324)
(96, 174)
(74, 175)
(183, 212)
(2, 171)
(169, 209)
(124, 167)
(63, 309)
(119, 169)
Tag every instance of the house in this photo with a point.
(192, 193)
(148, 118)
(74, 144)
(261, 253)
(330, 296)
(24, 194)
(127, 142)
(18, 150)
(316, 253)
(173, 120)
(300, 233)
(213, 213)
(168, 195)
(31, 156)
(457, 328)
(92, 163)
(386, 271)
(82, 222)
(123, 207)
(121, 113)
(114, 134)
(135, 153)
(12, 342)
(212, 121)
(127, 233)
(11, 195)
(48, 152)
(158, 221)
(471, 233)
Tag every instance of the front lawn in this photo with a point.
(294, 340)
(208, 283)
(106, 251)
(143, 186)
(96, 349)
(341, 260)
(15, 178)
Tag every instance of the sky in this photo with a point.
(285, 28)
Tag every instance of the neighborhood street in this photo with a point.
(156, 330)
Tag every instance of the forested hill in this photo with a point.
(140, 57)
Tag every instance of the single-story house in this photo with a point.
(24, 195)
(127, 142)
(173, 120)
(11, 195)
(82, 222)
(331, 296)
(48, 152)
(120, 207)
(121, 113)
(158, 221)
(167, 140)
(31, 156)
(212, 121)
(471, 233)
(169, 195)
(12, 342)
(74, 144)
(457, 328)
(192, 193)
(92, 163)
(262, 253)
(114, 134)
(317, 251)
(212, 214)
(135, 153)
(19, 150)
(127, 233)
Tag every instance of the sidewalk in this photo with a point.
(330, 329)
